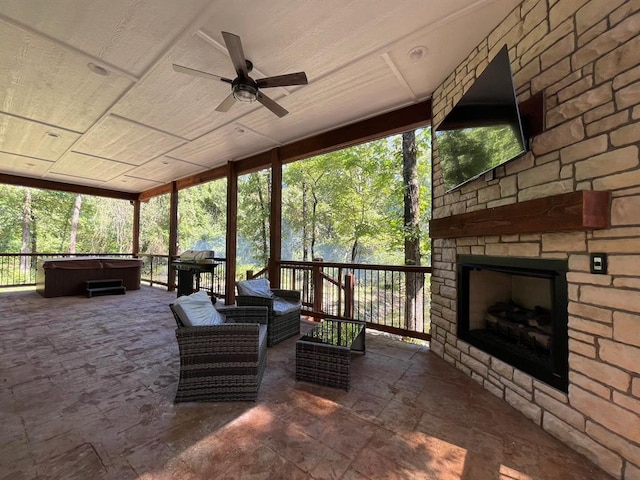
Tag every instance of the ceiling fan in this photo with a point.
(243, 87)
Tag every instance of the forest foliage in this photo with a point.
(344, 206)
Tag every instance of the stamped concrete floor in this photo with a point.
(88, 384)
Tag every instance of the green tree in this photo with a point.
(254, 208)
(414, 282)
(348, 205)
(154, 226)
(107, 225)
(75, 217)
(202, 217)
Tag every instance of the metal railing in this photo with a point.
(155, 269)
(387, 297)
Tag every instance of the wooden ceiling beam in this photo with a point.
(155, 192)
(65, 187)
(202, 177)
(254, 163)
(391, 123)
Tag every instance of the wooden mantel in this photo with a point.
(566, 212)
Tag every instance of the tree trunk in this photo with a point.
(414, 311)
(305, 233)
(314, 211)
(26, 231)
(74, 224)
(354, 250)
(263, 227)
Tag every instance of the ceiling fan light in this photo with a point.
(245, 93)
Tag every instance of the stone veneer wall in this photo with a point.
(585, 57)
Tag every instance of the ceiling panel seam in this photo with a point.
(30, 157)
(149, 127)
(44, 124)
(71, 48)
(401, 80)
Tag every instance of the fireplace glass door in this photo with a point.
(516, 310)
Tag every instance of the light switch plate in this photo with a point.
(599, 263)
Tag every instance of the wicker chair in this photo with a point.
(222, 362)
(280, 326)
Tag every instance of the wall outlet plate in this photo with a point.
(599, 263)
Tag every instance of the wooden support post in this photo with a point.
(173, 237)
(349, 300)
(135, 247)
(232, 232)
(317, 286)
(275, 220)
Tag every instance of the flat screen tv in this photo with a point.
(483, 130)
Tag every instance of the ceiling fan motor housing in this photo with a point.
(244, 89)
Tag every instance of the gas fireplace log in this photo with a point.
(537, 317)
(528, 327)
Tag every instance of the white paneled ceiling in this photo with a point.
(141, 124)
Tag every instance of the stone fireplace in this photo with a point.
(515, 309)
(582, 57)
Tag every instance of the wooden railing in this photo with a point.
(390, 298)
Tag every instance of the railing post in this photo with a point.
(349, 287)
(249, 274)
(317, 285)
(173, 237)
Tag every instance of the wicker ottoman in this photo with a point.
(323, 356)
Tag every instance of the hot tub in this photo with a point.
(58, 277)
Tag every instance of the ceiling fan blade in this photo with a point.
(198, 73)
(234, 46)
(271, 105)
(299, 78)
(226, 104)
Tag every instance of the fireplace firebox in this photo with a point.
(516, 310)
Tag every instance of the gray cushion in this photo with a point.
(258, 287)
(197, 310)
(281, 306)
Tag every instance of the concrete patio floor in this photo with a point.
(87, 393)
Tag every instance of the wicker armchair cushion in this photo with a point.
(196, 310)
(257, 287)
(282, 306)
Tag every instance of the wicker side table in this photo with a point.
(323, 356)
